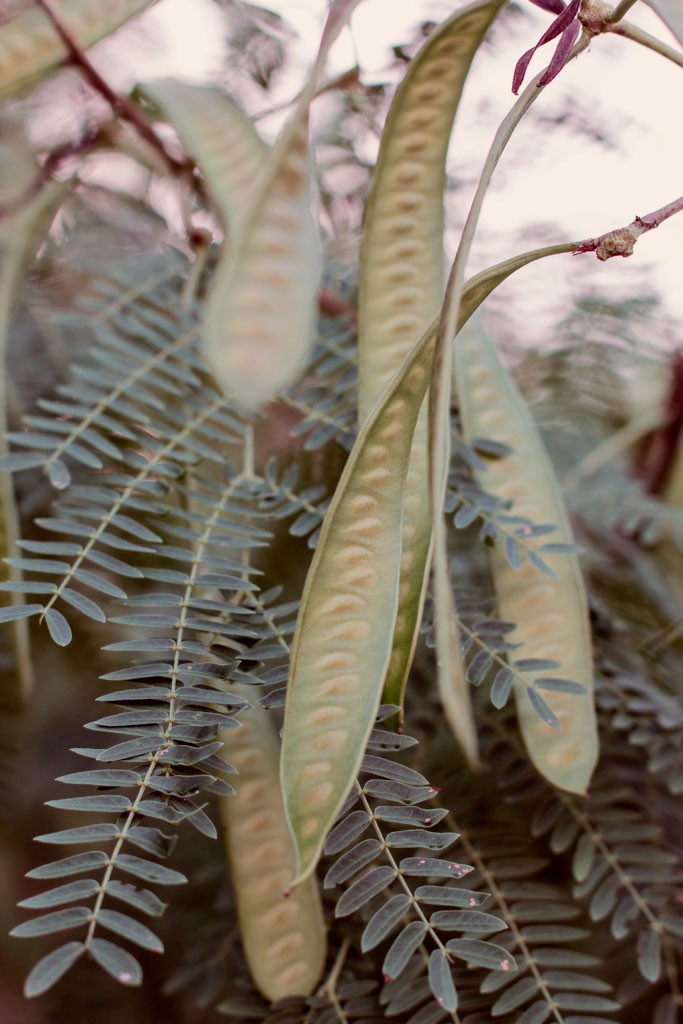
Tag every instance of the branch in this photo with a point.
(120, 104)
(621, 241)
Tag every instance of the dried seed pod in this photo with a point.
(283, 932)
(262, 300)
(550, 611)
(345, 628)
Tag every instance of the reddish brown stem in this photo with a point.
(621, 241)
(120, 104)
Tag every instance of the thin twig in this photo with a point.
(621, 241)
(121, 104)
(637, 35)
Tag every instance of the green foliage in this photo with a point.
(198, 502)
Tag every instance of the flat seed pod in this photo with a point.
(343, 637)
(262, 302)
(402, 276)
(344, 633)
(30, 46)
(283, 934)
(218, 136)
(550, 612)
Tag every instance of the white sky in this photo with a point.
(548, 178)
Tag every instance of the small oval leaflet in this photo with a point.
(430, 866)
(441, 981)
(51, 968)
(384, 920)
(47, 924)
(515, 996)
(346, 831)
(402, 948)
(130, 929)
(362, 891)
(352, 862)
(482, 954)
(117, 962)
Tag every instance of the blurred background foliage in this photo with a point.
(595, 352)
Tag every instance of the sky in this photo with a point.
(545, 177)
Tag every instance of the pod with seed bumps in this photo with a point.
(345, 628)
(550, 612)
(283, 932)
(402, 274)
(262, 300)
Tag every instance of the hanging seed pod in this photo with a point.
(262, 301)
(283, 932)
(402, 274)
(344, 633)
(550, 611)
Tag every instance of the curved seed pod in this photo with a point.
(283, 934)
(262, 300)
(343, 637)
(550, 613)
(402, 274)
(344, 632)
(218, 136)
(261, 308)
(30, 46)
(21, 232)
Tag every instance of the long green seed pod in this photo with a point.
(30, 46)
(402, 274)
(344, 633)
(550, 613)
(283, 933)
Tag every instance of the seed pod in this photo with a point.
(30, 46)
(402, 274)
(262, 301)
(550, 613)
(283, 933)
(218, 136)
(344, 633)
